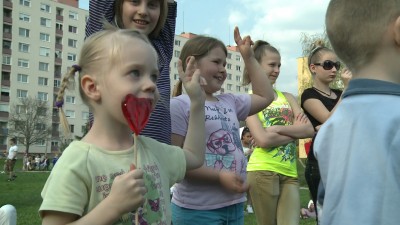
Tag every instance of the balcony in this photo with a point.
(6, 68)
(54, 148)
(59, 46)
(7, 35)
(3, 131)
(59, 32)
(58, 61)
(55, 119)
(57, 75)
(7, 20)
(7, 51)
(4, 98)
(7, 4)
(5, 83)
(3, 114)
(56, 89)
(55, 133)
(59, 18)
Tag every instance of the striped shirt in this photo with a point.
(159, 125)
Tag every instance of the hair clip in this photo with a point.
(77, 68)
(59, 104)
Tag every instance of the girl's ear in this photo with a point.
(90, 88)
(312, 68)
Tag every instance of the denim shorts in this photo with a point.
(229, 215)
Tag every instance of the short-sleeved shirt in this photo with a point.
(12, 152)
(84, 174)
(223, 149)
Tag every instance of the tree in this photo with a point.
(307, 42)
(29, 121)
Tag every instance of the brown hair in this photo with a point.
(259, 48)
(198, 47)
(161, 20)
(356, 28)
(318, 49)
(103, 47)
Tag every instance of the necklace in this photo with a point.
(330, 91)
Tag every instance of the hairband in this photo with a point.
(59, 104)
(77, 68)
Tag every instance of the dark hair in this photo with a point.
(14, 140)
(259, 49)
(245, 131)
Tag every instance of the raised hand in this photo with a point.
(346, 77)
(127, 192)
(192, 80)
(232, 182)
(244, 44)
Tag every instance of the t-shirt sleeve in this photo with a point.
(242, 105)
(308, 94)
(99, 10)
(66, 188)
(180, 108)
(175, 163)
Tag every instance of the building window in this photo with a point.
(6, 44)
(22, 93)
(45, 8)
(85, 115)
(70, 113)
(25, 2)
(177, 53)
(45, 22)
(41, 142)
(54, 143)
(40, 126)
(57, 83)
(229, 66)
(229, 87)
(73, 15)
(71, 128)
(238, 78)
(178, 42)
(44, 37)
(71, 57)
(43, 66)
(237, 88)
(21, 109)
(246, 90)
(44, 51)
(229, 56)
(229, 76)
(24, 17)
(22, 47)
(43, 96)
(70, 99)
(23, 32)
(43, 81)
(22, 78)
(59, 26)
(176, 77)
(23, 63)
(6, 60)
(238, 68)
(237, 57)
(72, 43)
(72, 29)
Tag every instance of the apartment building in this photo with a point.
(234, 66)
(41, 40)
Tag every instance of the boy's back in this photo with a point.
(358, 148)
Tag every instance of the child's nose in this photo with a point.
(149, 85)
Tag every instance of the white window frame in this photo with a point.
(23, 78)
(21, 109)
(23, 63)
(25, 2)
(23, 47)
(43, 51)
(43, 96)
(41, 142)
(45, 8)
(44, 37)
(43, 66)
(70, 113)
(57, 83)
(22, 93)
(23, 32)
(7, 60)
(45, 22)
(70, 99)
(73, 15)
(24, 17)
(85, 115)
(43, 81)
(71, 57)
(72, 29)
(72, 43)
(229, 87)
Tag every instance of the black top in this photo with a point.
(329, 105)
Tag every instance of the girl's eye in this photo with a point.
(135, 73)
(154, 77)
(154, 4)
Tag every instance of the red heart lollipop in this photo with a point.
(136, 112)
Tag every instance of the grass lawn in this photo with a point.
(24, 194)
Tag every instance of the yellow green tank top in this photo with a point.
(281, 159)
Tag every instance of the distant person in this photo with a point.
(8, 215)
(272, 168)
(308, 212)
(54, 160)
(247, 150)
(11, 159)
(358, 148)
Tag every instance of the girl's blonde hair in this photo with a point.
(102, 48)
(161, 20)
(198, 47)
(318, 50)
(260, 47)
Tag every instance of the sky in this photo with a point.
(280, 22)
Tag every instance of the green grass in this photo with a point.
(24, 194)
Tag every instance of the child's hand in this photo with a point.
(232, 182)
(346, 77)
(244, 44)
(127, 192)
(300, 119)
(192, 80)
